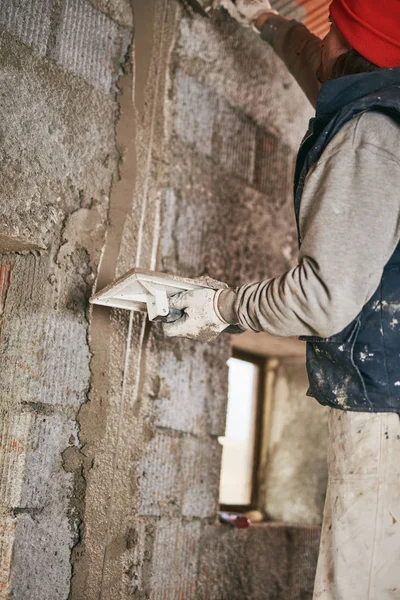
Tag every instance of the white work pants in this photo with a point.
(360, 545)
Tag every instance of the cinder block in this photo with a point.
(159, 477)
(189, 245)
(90, 45)
(7, 534)
(54, 367)
(41, 559)
(195, 112)
(175, 557)
(214, 128)
(235, 141)
(119, 10)
(183, 390)
(13, 454)
(31, 449)
(273, 167)
(44, 479)
(271, 560)
(179, 476)
(58, 145)
(201, 461)
(28, 20)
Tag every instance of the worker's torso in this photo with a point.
(359, 368)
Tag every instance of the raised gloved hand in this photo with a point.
(202, 320)
(247, 11)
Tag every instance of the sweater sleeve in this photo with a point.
(299, 49)
(350, 227)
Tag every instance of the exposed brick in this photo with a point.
(200, 474)
(13, 453)
(7, 532)
(235, 141)
(119, 10)
(189, 246)
(44, 478)
(45, 565)
(174, 564)
(195, 111)
(179, 476)
(54, 368)
(226, 134)
(273, 167)
(265, 561)
(28, 20)
(183, 390)
(159, 476)
(90, 45)
(31, 449)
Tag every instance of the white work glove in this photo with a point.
(248, 11)
(202, 320)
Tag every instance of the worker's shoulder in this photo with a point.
(377, 129)
(373, 130)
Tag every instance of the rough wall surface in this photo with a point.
(297, 471)
(110, 460)
(58, 158)
(271, 561)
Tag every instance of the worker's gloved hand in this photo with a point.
(201, 320)
(247, 11)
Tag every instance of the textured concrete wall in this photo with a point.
(60, 62)
(297, 471)
(109, 443)
(266, 562)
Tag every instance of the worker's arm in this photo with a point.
(350, 225)
(299, 49)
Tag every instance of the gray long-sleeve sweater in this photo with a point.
(349, 218)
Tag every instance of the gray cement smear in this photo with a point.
(109, 453)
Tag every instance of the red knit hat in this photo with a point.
(372, 27)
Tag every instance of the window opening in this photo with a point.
(241, 442)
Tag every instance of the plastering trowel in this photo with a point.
(148, 291)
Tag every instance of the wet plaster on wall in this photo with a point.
(113, 429)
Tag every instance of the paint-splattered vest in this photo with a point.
(359, 368)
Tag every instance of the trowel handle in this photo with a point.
(173, 315)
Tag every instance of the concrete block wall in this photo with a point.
(296, 471)
(60, 62)
(109, 442)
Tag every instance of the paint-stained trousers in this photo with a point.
(360, 545)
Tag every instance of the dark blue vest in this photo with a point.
(359, 368)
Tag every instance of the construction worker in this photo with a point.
(343, 296)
